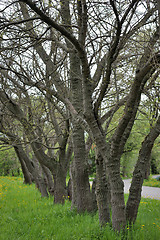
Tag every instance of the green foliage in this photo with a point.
(133, 145)
(155, 158)
(25, 215)
(129, 157)
(9, 164)
(128, 161)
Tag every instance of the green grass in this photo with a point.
(152, 182)
(26, 216)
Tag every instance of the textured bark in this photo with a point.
(102, 192)
(58, 169)
(81, 195)
(148, 166)
(93, 196)
(26, 173)
(124, 164)
(117, 199)
(42, 186)
(113, 172)
(80, 180)
(49, 180)
(139, 173)
(83, 200)
(73, 185)
(60, 191)
(80, 176)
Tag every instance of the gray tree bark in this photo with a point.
(26, 173)
(102, 192)
(49, 180)
(81, 195)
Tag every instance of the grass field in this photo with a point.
(26, 216)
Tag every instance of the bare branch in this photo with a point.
(4, 25)
(53, 24)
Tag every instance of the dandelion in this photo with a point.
(142, 227)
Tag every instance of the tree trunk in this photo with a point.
(26, 173)
(60, 191)
(41, 186)
(102, 192)
(147, 172)
(81, 195)
(49, 180)
(124, 163)
(73, 185)
(94, 199)
(112, 163)
(117, 199)
(81, 184)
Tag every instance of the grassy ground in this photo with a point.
(26, 216)
(152, 182)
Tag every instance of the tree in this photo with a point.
(30, 169)
(95, 39)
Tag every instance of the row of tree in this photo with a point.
(68, 69)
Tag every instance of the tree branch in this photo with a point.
(131, 5)
(53, 24)
(17, 22)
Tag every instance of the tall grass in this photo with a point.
(24, 215)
